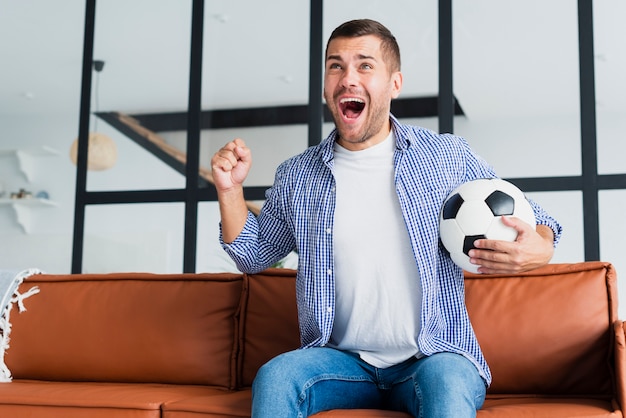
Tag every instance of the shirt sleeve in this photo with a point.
(265, 239)
(543, 218)
(243, 245)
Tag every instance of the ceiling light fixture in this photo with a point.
(101, 150)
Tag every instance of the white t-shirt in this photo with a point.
(378, 291)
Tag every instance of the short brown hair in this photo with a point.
(363, 27)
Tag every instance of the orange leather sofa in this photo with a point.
(188, 345)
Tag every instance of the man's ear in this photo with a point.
(396, 79)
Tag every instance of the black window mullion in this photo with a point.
(446, 95)
(193, 138)
(591, 225)
(83, 138)
(316, 62)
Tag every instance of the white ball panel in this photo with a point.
(451, 236)
(498, 230)
(476, 190)
(474, 217)
(461, 260)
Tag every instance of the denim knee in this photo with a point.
(448, 383)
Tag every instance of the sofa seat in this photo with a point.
(548, 407)
(237, 404)
(510, 408)
(31, 398)
(228, 405)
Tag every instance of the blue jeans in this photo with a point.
(301, 383)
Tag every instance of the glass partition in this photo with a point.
(134, 237)
(516, 79)
(258, 61)
(145, 47)
(41, 51)
(610, 67)
(567, 208)
(612, 232)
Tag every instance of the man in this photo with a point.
(381, 306)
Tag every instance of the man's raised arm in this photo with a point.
(230, 167)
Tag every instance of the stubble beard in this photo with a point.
(375, 120)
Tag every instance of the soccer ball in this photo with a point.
(474, 211)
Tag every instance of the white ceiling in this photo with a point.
(510, 58)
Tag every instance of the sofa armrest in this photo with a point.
(619, 328)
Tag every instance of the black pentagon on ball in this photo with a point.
(500, 203)
(452, 206)
(468, 243)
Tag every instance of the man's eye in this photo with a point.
(366, 66)
(334, 66)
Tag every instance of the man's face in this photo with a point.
(358, 88)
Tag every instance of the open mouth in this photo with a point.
(351, 107)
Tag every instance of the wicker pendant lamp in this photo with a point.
(101, 151)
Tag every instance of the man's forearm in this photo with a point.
(234, 213)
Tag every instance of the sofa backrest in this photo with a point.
(547, 331)
(269, 320)
(543, 332)
(128, 328)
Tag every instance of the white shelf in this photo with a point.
(27, 163)
(26, 158)
(23, 209)
(28, 202)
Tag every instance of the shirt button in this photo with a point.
(328, 230)
(329, 271)
(329, 309)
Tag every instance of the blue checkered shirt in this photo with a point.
(298, 215)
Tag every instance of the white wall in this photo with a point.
(48, 246)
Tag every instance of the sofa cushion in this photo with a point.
(270, 324)
(25, 398)
(508, 407)
(177, 328)
(566, 407)
(233, 404)
(548, 331)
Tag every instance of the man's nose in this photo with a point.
(350, 77)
